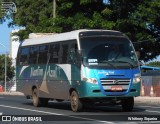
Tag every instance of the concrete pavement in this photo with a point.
(12, 93)
(140, 99)
(147, 100)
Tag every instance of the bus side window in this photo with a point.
(24, 52)
(33, 54)
(54, 53)
(72, 55)
(64, 53)
(43, 54)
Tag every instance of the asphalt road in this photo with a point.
(18, 109)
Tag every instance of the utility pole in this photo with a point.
(54, 8)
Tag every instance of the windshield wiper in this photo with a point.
(131, 65)
(108, 63)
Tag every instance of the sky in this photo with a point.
(5, 37)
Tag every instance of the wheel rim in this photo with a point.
(34, 97)
(74, 102)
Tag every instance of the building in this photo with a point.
(14, 44)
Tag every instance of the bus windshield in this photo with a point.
(111, 52)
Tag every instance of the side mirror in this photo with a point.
(138, 54)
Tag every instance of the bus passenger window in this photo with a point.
(24, 56)
(72, 55)
(33, 53)
(43, 54)
(54, 53)
(64, 53)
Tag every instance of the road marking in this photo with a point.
(44, 112)
(153, 111)
(149, 106)
(30, 110)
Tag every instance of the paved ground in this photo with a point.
(140, 99)
(12, 93)
(148, 100)
(17, 109)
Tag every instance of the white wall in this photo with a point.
(14, 44)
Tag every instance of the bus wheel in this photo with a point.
(59, 100)
(44, 101)
(36, 99)
(76, 104)
(127, 104)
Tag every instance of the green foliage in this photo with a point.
(156, 64)
(4, 15)
(10, 69)
(138, 19)
(1, 14)
(146, 18)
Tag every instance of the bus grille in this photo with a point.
(109, 83)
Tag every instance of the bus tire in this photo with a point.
(76, 104)
(36, 99)
(44, 101)
(59, 100)
(127, 104)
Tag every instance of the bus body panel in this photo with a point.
(52, 80)
(124, 78)
(55, 81)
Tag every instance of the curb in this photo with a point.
(12, 93)
(147, 100)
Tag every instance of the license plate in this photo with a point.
(116, 88)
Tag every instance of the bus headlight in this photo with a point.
(91, 80)
(136, 79)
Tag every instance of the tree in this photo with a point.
(35, 16)
(146, 18)
(10, 68)
(1, 14)
(128, 16)
(156, 64)
(4, 14)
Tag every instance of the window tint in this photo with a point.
(54, 53)
(33, 55)
(98, 51)
(64, 53)
(72, 55)
(43, 54)
(24, 52)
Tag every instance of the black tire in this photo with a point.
(76, 104)
(59, 100)
(36, 99)
(28, 97)
(44, 102)
(127, 104)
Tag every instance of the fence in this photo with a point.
(151, 84)
(10, 86)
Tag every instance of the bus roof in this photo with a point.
(150, 67)
(63, 36)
